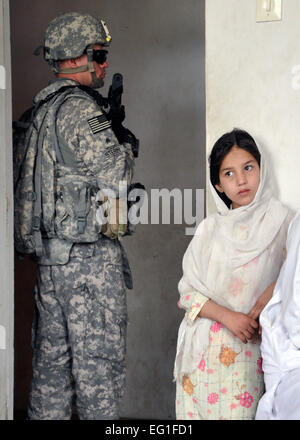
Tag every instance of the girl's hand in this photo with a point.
(241, 325)
(262, 302)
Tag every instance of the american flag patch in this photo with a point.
(99, 123)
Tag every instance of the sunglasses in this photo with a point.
(100, 56)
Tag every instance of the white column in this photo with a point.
(6, 221)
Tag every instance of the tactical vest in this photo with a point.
(51, 199)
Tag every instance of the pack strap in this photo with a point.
(81, 211)
(37, 207)
(88, 90)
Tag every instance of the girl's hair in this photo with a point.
(236, 137)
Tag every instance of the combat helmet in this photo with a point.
(69, 36)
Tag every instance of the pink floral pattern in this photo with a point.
(216, 327)
(259, 364)
(246, 400)
(236, 287)
(213, 398)
(201, 366)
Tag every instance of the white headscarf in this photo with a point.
(223, 243)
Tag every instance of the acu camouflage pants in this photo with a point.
(79, 335)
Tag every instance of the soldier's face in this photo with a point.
(85, 78)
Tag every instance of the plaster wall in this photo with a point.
(252, 82)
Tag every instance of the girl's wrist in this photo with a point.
(226, 316)
(214, 311)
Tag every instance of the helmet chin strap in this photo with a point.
(96, 82)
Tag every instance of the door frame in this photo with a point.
(6, 221)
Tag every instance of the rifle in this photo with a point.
(116, 114)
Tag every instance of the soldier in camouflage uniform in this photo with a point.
(79, 329)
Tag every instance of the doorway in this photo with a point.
(159, 47)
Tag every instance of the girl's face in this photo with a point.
(239, 177)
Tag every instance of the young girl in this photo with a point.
(229, 270)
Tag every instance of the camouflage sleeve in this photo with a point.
(85, 131)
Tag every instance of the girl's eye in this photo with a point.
(248, 167)
(228, 173)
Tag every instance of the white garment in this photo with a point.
(223, 244)
(280, 346)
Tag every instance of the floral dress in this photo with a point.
(228, 382)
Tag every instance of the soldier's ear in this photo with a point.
(67, 64)
(72, 62)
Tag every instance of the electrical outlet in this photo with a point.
(268, 10)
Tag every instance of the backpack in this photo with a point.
(51, 199)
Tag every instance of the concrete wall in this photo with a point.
(6, 221)
(252, 82)
(159, 47)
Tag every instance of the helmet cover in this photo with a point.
(69, 34)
